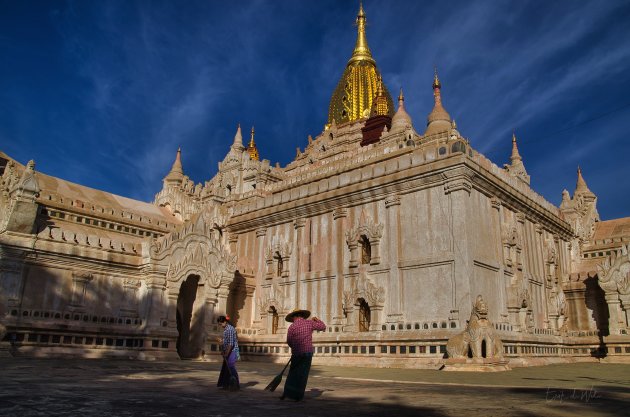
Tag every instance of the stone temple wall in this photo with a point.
(388, 244)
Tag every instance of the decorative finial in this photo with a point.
(361, 49)
(253, 151)
(436, 80)
(401, 97)
(454, 124)
(515, 155)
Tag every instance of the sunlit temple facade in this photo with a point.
(385, 228)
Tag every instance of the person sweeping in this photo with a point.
(228, 378)
(300, 340)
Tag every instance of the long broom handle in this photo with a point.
(285, 366)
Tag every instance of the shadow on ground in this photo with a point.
(122, 388)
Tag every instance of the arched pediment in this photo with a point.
(197, 249)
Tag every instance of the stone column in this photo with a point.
(504, 312)
(458, 189)
(211, 299)
(395, 302)
(300, 294)
(156, 302)
(625, 305)
(338, 255)
(616, 315)
(222, 295)
(171, 308)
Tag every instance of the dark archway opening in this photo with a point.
(366, 250)
(275, 319)
(365, 316)
(185, 302)
(596, 302)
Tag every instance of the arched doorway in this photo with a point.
(185, 302)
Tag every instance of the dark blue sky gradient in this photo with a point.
(103, 92)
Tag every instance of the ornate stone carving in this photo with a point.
(495, 203)
(391, 201)
(340, 213)
(614, 272)
(80, 279)
(277, 258)
(299, 223)
(196, 249)
(372, 231)
(364, 287)
(478, 331)
(272, 296)
(459, 184)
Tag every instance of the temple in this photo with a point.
(398, 234)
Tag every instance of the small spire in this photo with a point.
(454, 124)
(361, 49)
(439, 120)
(401, 119)
(177, 172)
(581, 186)
(379, 104)
(238, 137)
(515, 155)
(253, 151)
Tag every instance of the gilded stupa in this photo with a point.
(252, 149)
(352, 99)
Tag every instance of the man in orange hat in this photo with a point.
(300, 339)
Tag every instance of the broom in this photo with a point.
(276, 381)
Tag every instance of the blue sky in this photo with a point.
(103, 92)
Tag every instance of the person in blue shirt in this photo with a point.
(229, 352)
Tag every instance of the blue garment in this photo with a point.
(228, 369)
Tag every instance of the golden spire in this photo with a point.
(361, 49)
(353, 96)
(253, 151)
(436, 80)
